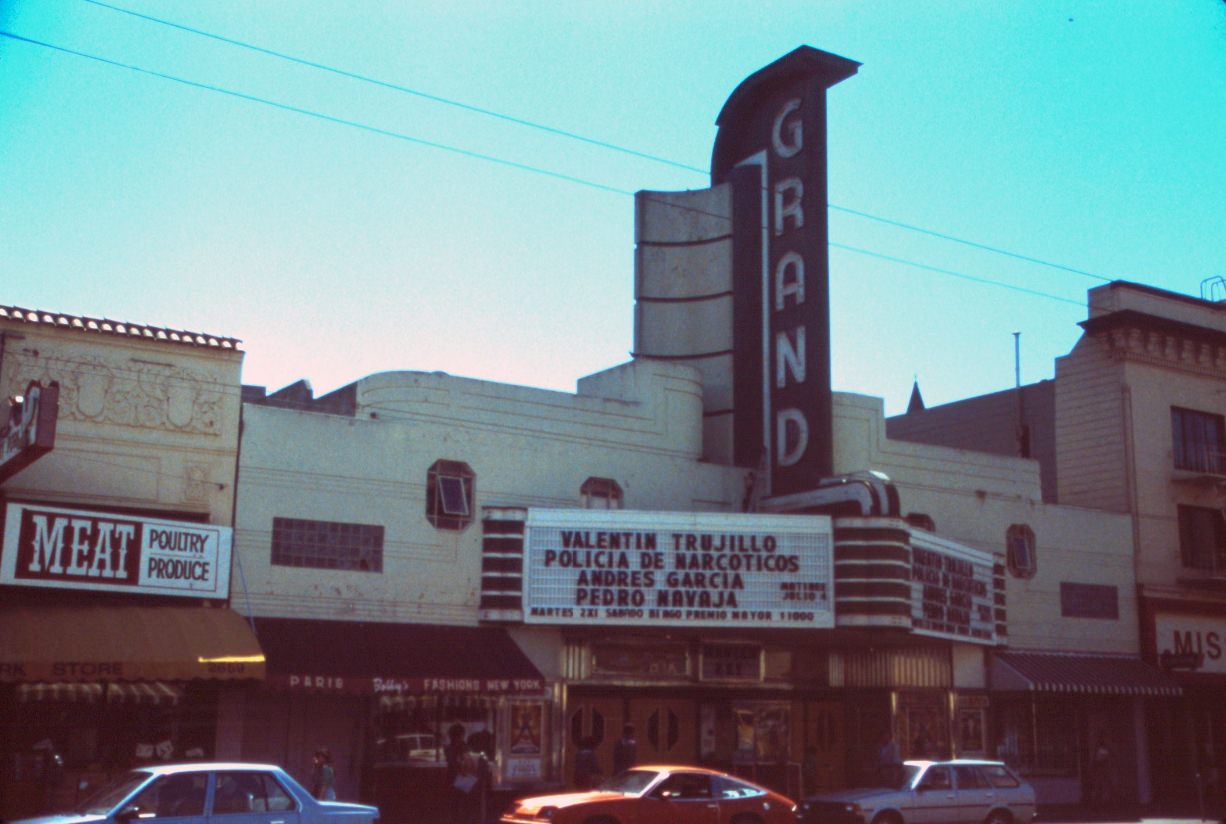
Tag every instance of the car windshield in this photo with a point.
(109, 795)
(631, 782)
(894, 776)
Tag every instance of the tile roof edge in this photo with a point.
(86, 323)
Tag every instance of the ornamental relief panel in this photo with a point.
(137, 393)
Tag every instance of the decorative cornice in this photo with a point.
(1141, 338)
(84, 324)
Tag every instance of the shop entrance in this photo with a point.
(664, 729)
(599, 718)
(822, 765)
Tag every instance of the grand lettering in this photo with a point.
(79, 547)
(787, 275)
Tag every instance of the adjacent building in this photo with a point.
(1132, 423)
(117, 471)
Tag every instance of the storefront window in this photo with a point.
(746, 732)
(1037, 737)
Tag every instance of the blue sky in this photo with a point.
(1083, 134)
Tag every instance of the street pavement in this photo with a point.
(1189, 813)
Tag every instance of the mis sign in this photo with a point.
(666, 568)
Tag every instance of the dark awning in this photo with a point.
(97, 644)
(394, 659)
(1060, 672)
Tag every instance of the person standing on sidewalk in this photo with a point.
(625, 751)
(1101, 791)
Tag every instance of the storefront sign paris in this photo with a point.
(73, 549)
(952, 590)
(673, 569)
(1199, 640)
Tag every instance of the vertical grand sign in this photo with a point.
(771, 147)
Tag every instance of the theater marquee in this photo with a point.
(673, 569)
(73, 549)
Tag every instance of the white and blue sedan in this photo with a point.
(209, 793)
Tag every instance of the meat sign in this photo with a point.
(74, 549)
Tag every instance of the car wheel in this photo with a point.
(998, 817)
(887, 818)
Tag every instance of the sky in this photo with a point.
(407, 193)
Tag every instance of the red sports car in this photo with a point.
(660, 795)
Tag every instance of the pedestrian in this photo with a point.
(323, 775)
(587, 767)
(462, 777)
(625, 751)
(889, 759)
(1100, 774)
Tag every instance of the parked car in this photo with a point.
(209, 793)
(962, 791)
(659, 795)
(420, 748)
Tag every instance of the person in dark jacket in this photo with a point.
(587, 767)
(625, 751)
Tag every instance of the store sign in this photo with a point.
(30, 431)
(1192, 642)
(952, 594)
(75, 549)
(732, 662)
(604, 568)
(393, 685)
(772, 146)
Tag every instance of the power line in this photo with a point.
(320, 115)
(571, 135)
(951, 273)
(489, 158)
(399, 88)
(971, 243)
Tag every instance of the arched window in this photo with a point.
(449, 494)
(1019, 545)
(601, 493)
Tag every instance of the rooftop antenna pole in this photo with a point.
(1023, 433)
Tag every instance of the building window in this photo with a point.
(298, 542)
(1036, 735)
(601, 493)
(1019, 544)
(1198, 439)
(1202, 538)
(449, 494)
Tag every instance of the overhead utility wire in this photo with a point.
(309, 113)
(490, 158)
(971, 243)
(571, 135)
(396, 87)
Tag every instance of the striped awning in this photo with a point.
(147, 693)
(70, 693)
(1087, 674)
(143, 693)
(409, 702)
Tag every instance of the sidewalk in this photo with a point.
(1182, 813)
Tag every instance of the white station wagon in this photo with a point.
(962, 791)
